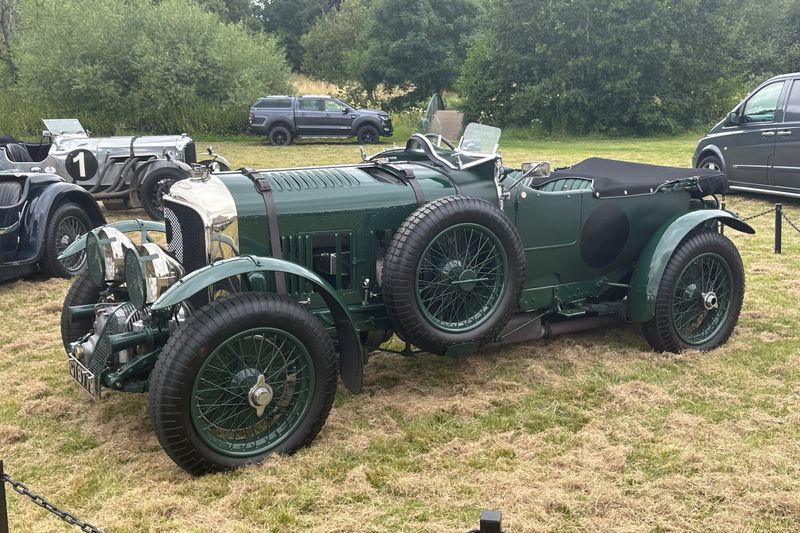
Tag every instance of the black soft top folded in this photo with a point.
(620, 178)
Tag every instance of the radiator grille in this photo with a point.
(190, 153)
(186, 241)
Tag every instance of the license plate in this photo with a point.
(85, 378)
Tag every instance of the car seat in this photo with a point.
(10, 193)
(17, 153)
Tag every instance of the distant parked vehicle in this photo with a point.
(758, 144)
(286, 118)
(123, 172)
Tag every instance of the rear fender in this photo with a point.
(655, 256)
(124, 226)
(351, 359)
(41, 205)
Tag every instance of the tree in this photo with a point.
(289, 20)
(415, 43)
(330, 47)
(8, 25)
(604, 65)
(230, 10)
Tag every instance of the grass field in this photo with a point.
(586, 432)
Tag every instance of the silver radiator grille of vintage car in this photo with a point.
(186, 241)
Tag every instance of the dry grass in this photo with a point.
(586, 432)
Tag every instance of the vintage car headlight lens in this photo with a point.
(134, 279)
(149, 271)
(105, 254)
(94, 259)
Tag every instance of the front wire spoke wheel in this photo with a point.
(262, 371)
(243, 377)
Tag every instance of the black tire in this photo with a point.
(208, 162)
(183, 358)
(154, 186)
(68, 222)
(279, 136)
(661, 332)
(403, 279)
(368, 135)
(82, 292)
(711, 162)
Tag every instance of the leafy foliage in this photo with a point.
(289, 20)
(168, 67)
(415, 43)
(331, 46)
(605, 65)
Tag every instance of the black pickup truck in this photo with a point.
(285, 118)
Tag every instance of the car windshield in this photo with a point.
(61, 126)
(480, 139)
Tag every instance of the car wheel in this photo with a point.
(368, 135)
(453, 274)
(700, 295)
(711, 162)
(82, 292)
(245, 376)
(66, 224)
(219, 166)
(154, 186)
(280, 136)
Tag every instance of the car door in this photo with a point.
(750, 145)
(309, 116)
(785, 172)
(338, 118)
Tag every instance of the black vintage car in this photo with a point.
(40, 216)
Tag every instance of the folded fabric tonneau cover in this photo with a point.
(621, 178)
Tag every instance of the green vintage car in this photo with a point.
(273, 284)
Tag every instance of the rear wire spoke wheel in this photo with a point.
(453, 274)
(243, 377)
(700, 295)
(66, 224)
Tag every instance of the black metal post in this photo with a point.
(778, 227)
(3, 509)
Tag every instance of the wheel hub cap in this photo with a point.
(710, 300)
(260, 395)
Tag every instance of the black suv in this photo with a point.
(758, 143)
(285, 118)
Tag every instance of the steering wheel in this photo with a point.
(437, 140)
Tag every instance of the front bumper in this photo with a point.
(386, 128)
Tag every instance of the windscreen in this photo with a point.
(60, 126)
(480, 139)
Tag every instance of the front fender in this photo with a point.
(124, 226)
(351, 360)
(655, 256)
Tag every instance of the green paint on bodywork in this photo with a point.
(654, 258)
(125, 226)
(352, 356)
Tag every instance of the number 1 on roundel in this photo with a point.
(80, 159)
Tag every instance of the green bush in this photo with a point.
(605, 65)
(139, 66)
